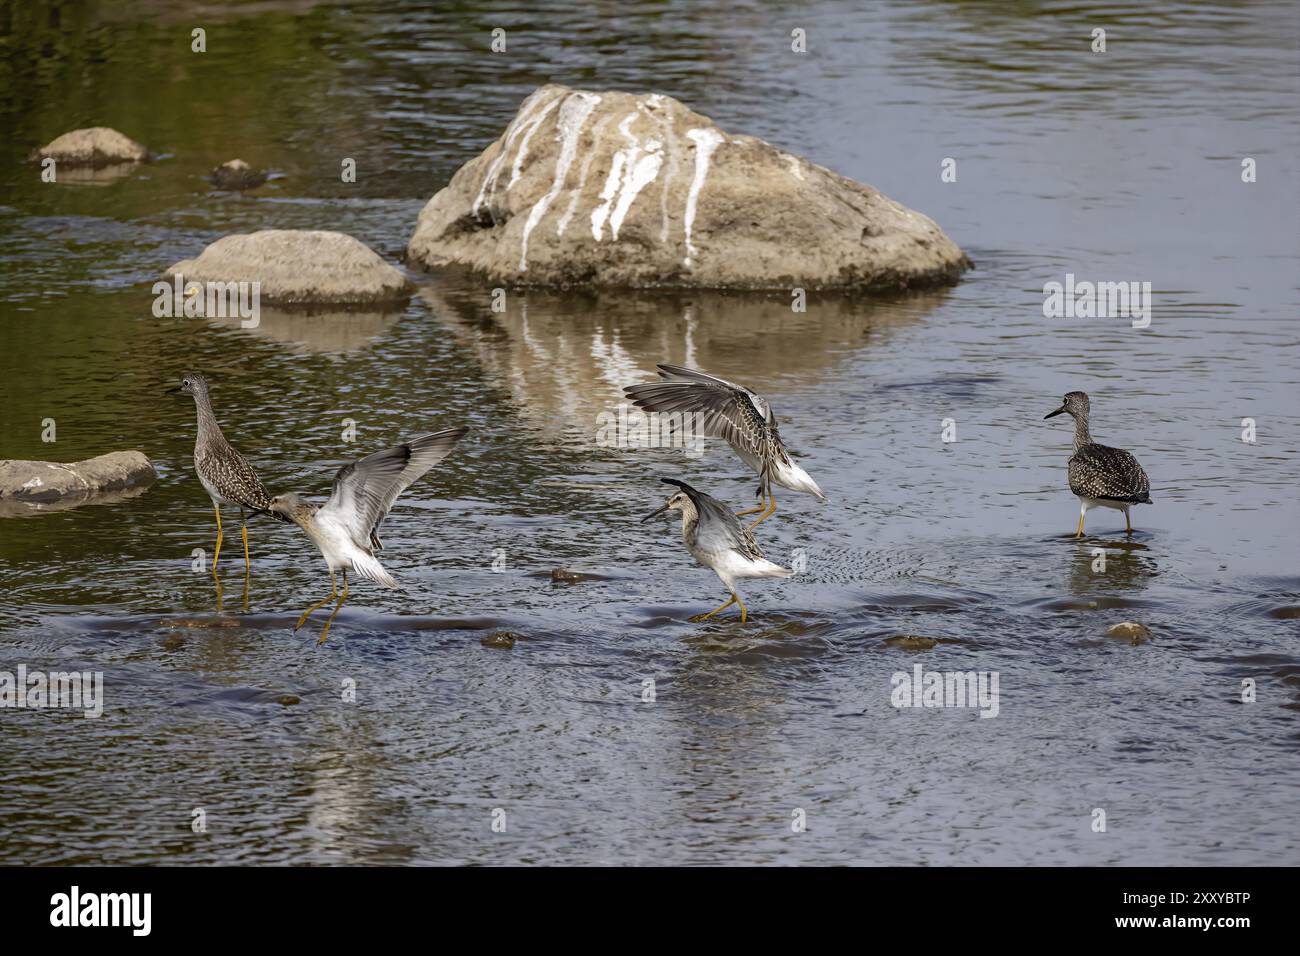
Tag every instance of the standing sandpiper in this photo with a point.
(736, 415)
(1101, 477)
(225, 474)
(717, 540)
(346, 527)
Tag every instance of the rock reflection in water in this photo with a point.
(316, 332)
(565, 358)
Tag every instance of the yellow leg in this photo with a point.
(771, 510)
(1080, 532)
(750, 511)
(325, 633)
(247, 564)
(744, 612)
(721, 607)
(217, 556)
(334, 592)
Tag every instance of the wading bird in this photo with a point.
(717, 540)
(736, 415)
(1101, 477)
(225, 474)
(346, 527)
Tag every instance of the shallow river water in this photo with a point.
(1118, 166)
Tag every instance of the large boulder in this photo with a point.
(299, 267)
(95, 146)
(38, 482)
(616, 189)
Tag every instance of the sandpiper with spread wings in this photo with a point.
(225, 474)
(736, 415)
(1101, 477)
(346, 526)
(717, 540)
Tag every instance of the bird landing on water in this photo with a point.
(738, 416)
(717, 540)
(346, 527)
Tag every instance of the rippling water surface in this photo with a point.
(1122, 166)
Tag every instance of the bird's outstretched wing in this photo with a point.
(426, 451)
(718, 529)
(729, 411)
(1112, 474)
(365, 490)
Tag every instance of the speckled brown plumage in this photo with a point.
(1108, 474)
(225, 474)
(1098, 471)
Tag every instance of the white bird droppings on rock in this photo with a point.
(522, 154)
(728, 211)
(573, 115)
(706, 141)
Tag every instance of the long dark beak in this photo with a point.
(272, 514)
(172, 390)
(1054, 414)
(654, 513)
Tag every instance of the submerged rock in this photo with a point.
(502, 639)
(1129, 631)
(237, 174)
(565, 576)
(299, 267)
(911, 642)
(94, 146)
(617, 189)
(45, 481)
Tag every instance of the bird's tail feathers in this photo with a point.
(368, 567)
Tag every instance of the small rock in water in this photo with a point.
(1129, 631)
(42, 481)
(237, 174)
(94, 146)
(299, 267)
(288, 700)
(502, 639)
(911, 642)
(197, 623)
(565, 576)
